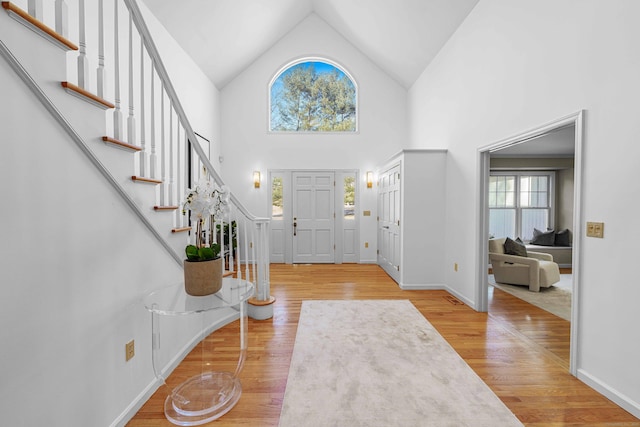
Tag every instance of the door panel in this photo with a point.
(313, 217)
(389, 222)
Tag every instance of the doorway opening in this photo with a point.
(533, 143)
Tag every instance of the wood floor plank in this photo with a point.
(520, 351)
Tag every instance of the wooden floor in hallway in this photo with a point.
(519, 350)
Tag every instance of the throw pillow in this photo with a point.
(512, 247)
(563, 238)
(543, 238)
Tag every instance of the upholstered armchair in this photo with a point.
(536, 270)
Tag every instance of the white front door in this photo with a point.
(313, 217)
(389, 222)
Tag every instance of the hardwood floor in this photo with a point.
(520, 351)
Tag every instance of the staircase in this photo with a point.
(151, 156)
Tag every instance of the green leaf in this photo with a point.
(215, 248)
(192, 253)
(206, 253)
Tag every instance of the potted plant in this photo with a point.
(203, 266)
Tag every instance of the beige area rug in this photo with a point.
(554, 299)
(381, 363)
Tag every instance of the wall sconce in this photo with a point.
(369, 179)
(256, 179)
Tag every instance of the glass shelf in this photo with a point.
(173, 300)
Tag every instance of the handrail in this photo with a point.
(261, 249)
(141, 25)
(61, 119)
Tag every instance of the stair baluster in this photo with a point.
(83, 61)
(118, 132)
(131, 120)
(142, 158)
(35, 9)
(62, 19)
(100, 72)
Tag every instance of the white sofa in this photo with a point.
(536, 270)
(562, 255)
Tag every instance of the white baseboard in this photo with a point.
(421, 286)
(618, 398)
(154, 385)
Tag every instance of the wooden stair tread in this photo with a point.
(120, 144)
(87, 96)
(180, 229)
(165, 208)
(227, 273)
(144, 180)
(38, 25)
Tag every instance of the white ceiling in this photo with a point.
(556, 143)
(225, 36)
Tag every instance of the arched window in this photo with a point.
(312, 95)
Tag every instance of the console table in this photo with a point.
(208, 395)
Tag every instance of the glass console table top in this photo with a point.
(173, 300)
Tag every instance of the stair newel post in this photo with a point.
(100, 71)
(62, 18)
(263, 260)
(143, 151)
(34, 7)
(152, 102)
(83, 61)
(117, 113)
(131, 120)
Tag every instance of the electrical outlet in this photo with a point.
(595, 229)
(455, 266)
(130, 350)
(366, 244)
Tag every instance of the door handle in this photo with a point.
(386, 227)
(295, 226)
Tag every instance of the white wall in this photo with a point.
(74, 259)
(198, 95)
(247, 145)
(516, 65)
(74, 262)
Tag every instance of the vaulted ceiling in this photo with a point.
(225, 36)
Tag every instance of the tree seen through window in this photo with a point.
(313, 96)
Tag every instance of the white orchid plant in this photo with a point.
(206, 202)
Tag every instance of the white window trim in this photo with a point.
(552, 195)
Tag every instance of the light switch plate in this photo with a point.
(595, 229)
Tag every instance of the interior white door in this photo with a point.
(313, 217)
(389, 221)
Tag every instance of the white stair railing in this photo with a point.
(169, 151)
